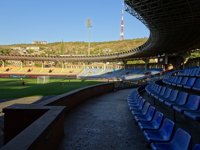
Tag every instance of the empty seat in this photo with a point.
(178, 81)
(160, 93)
(166, 94)
(189, 83)
(195, 115)
(192, 104)
(172, 96)
(154, 123)
(181, 99)
(180, 141)
(145, 117)
(143, 111)
(197, 85)
(137, 106)
(161, 135)
(183, 82)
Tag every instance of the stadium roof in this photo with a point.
(174, 24)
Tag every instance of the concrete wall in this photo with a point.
(41, 126)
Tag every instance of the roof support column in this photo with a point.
(146, 66)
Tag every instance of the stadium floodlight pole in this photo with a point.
(89, 26)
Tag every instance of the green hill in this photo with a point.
(74, 48)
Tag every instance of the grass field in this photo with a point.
(13, 88)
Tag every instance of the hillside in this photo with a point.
(73, 48)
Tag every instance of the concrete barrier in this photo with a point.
(41, 126)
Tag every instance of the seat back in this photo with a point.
(166, 129)
(167, 93)
(141, 104)
(197, 85)
(184, 81)
(173, 95)
(175, 79)
(190, 82)
(158, 89)
(157, 119)
(179, 80)
(162, 91)
(150, 113)
(182, 97)
(193, 102)
(181, 140)
(145, 108)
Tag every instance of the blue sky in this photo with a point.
(23, 21)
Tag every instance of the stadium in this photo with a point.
(105, 101)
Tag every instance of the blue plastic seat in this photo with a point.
(160, 93)
(134, 101)
(138, 105)
(183, 82)
(166, 94)
(145, 117)
(189, 83)
(195, 115)
(156, 90)
(181, 100)
(180, 141)
(154, 123)
(196, 147)
(178, 81)
(138, 109)
(197, 85)
(161, 135)
(143, 111)
(172, 96)
(174, 81)
(192, 104)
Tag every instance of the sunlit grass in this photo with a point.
(13, 88)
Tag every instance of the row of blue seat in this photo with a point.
(187, 104)
(158, 130)
(185, 82)
(190, 72)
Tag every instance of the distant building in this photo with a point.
(40, 42)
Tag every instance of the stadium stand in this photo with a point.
(167, 108)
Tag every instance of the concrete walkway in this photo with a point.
(103, 123)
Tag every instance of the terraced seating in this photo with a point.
(147, 116)
(155, 123)
(162, 134)
(193, 103)
(190, 72)
(158, 130)
(180, 141)
(180, 100)
(185, 82)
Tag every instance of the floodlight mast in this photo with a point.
(89, 26)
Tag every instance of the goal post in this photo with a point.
(42, 79)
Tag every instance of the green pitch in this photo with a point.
(13, 88)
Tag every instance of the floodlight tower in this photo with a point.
(122, 23)
(89, 26)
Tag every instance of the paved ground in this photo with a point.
(103, 123)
